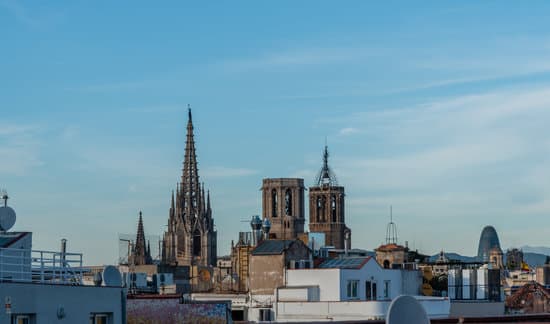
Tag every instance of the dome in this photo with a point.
(487, 241)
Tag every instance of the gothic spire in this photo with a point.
(326, 176)
(140, 250)
(208, 201)
(190, 185)
(140, 233)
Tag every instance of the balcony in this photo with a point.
(41, 267)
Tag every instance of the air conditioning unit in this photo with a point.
(163, 279)
(136, 280)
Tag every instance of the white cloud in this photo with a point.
(348, 131)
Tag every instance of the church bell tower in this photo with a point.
(326, 208)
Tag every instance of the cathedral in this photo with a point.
(191, 239)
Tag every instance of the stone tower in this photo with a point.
(283, 205)
(326, 207)
(191, 238)
(141, 254)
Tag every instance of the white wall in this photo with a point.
(351, 310)
(328, 281)
(332, 283)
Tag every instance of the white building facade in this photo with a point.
(349, 289)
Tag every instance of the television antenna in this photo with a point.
(7, 214)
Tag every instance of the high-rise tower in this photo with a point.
(283, 206)
(326, 207)
(191, 238)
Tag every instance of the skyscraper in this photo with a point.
(191, 238)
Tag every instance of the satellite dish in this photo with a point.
(7, 218)
(111, 276)
(406, 309)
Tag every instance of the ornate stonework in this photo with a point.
(191, 238)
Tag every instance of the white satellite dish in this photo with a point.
(7, 218)
(112, 277)
(406, 309)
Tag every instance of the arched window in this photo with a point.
(319, 209)
(333, 208)
(386, 264)
(288, 202)
(273, 203)
(197, 243)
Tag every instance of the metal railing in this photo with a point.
(46, 267)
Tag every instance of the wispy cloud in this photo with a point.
(19, 148)
(297, 57)
(227, 172)
(349, 131)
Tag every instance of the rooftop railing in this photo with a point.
(45, 267)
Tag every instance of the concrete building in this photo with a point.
(349, 289)
(270, 261)
(283, 206)
(47, 287)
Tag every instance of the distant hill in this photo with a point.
(454, 256)
(536, 249)
(533, 259)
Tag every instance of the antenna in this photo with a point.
(391, 230)
(7, 214)
(4, 196)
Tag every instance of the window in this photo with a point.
(386, 289)
(273, 203)
(370, 290)
(23, 319)
(100, 318)
(352, 288)
(197, 243)
(333, 208)
(288, 202)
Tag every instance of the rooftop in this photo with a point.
(345, 263)
(8, 238)
(272, 247)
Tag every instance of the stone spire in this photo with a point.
(190, 185)
(191, 239)
(140, 251)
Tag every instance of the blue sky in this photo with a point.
(439, 109)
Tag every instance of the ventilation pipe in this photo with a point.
(63, 252)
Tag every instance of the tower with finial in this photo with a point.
(191, 238)
(391, 254)
(326, 207)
